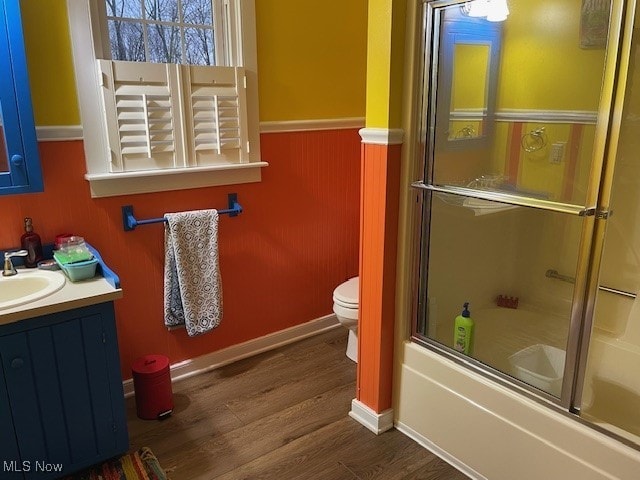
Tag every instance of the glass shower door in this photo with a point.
(611, 386)
(498, 257)
(510, 185)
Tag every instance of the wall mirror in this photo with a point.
(468, 59)
(512, 105)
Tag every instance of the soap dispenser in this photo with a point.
(30, 241)
(463, 331)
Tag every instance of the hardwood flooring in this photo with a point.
(280, 415)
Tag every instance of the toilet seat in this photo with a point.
(345, 313)
(353, 306)
(346, 294)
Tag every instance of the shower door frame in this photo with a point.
(595, 211)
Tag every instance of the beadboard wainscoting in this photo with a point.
(296, 240)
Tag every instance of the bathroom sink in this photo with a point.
(28, 286)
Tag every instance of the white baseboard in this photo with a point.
(444, 455)
(213, 360)
(376, 422)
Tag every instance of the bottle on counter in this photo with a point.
(30, 241)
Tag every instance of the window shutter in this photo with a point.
(163, 116)
(142, 115)
(215, 99)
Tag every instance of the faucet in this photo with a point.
(9, 269)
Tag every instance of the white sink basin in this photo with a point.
(28, 286)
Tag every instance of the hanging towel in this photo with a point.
(192, 284)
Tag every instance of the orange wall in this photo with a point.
(280, 260)
(298, 237)
(379, 203)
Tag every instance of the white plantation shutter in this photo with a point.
(216, 114)
(163, 116)
(142, 115)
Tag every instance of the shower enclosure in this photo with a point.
(529, 128)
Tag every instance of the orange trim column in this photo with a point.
(379, 203)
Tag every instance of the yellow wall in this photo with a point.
(542, 65)
(48, 46)
(467, 90)
(385, 63)
(311, 60)
(537, 173)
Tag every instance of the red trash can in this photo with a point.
(152, 385)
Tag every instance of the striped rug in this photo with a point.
(140, 465)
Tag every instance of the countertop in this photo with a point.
(72, 295)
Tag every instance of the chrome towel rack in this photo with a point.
(129, 222)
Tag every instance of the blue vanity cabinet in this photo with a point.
(8, 446)
(19, 159)
(62, 381)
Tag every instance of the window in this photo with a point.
(168, 93)
(167, 31)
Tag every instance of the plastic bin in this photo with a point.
(541, 366)
(80, 270)
(152, 385)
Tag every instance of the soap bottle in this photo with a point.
(31, 242)
(463, 332)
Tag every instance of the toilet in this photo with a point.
(346, 306)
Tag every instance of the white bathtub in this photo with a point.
(612, 385)
(611, 396)
(501, 332)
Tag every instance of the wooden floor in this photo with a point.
(280, 415)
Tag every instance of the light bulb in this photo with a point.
(478, 8)
(497, 11)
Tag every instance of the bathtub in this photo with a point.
(611, 394)
(612, 385)
(502, 332)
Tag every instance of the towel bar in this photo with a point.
(129, 222)
(551, 273)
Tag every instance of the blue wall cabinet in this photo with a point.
(19, 159)
(61, 395)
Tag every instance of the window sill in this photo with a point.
(147, 181)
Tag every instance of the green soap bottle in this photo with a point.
(463, 332)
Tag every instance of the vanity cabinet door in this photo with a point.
(11, 466)
(65, 391)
